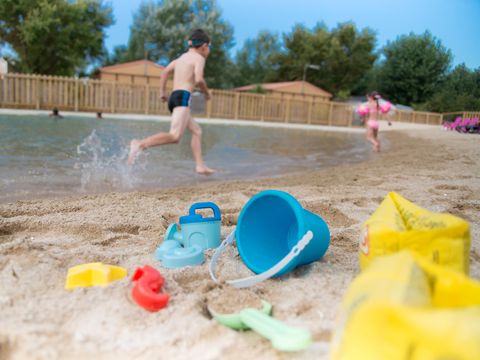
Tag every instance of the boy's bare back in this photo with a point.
(188, 68)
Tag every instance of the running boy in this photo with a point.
(187, 73)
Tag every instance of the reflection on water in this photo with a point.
(41, 156)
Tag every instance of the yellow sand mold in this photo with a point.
(93, 274)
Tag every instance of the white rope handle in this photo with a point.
(255, 279)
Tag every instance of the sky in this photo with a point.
(455, 22)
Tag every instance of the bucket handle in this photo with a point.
(255, 279)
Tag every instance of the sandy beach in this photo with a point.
(41, 239)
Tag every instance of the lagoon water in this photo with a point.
(44, 157)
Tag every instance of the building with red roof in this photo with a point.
(139, 72)
(293, 88)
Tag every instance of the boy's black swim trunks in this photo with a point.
(179, 98)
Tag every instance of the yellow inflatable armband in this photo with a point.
(398, 224)
(381, 331)
(403, 307)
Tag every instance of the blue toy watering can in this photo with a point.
(275, 234)
(197, 233)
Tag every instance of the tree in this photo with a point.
(368, 83)
(55, 37)
(301, 47)
(119, 55)
(255, 62)
(351, 56)
(163, 27)
(460, 91)
(344, 55)
(414, 67)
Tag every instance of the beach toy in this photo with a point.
(234, 321)
(397, 224)
(146, 292)
(275, 235)
(385, 107)
(199, 230)
(408, 299)
(282, 336)
(185, 247)
(362, 110)
(93, 274)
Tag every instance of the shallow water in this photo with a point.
(42, 156)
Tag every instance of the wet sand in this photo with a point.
(41, 239)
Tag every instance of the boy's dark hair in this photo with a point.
(198, 37)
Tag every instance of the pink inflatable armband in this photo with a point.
(363, 110)
(385, 107)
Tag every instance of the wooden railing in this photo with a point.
(46, 92)
(451, 116)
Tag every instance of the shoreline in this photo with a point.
(41, 239)
(219, 121)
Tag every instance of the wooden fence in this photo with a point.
(451, 116)
(46, 92)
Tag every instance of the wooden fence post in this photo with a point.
(2, 86)
(76, 95)
(330, 113)
(3, 90)
(262, 117)
(113, 97)
(209, 105)
(49, 91)
(37, 86)
(95, 95)
(350, 117)
(287, 110)
(147, 98)
(16, 94)
(309, 114)
(237, 105)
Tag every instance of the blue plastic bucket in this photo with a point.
(271, 224)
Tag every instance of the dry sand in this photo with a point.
(41, 239)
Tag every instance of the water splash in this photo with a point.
(103, 166)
